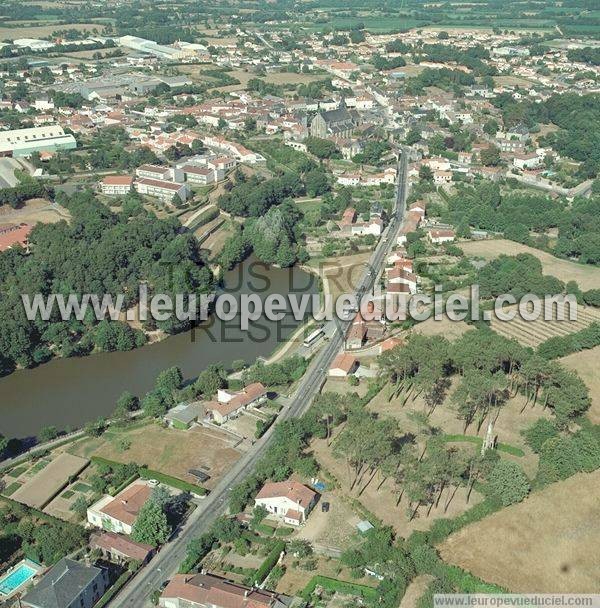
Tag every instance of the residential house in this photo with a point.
(116, 185)
(68, 584)
(527, 161)
(209, 591)
(441, 235)
(289, 501)
(343, 365)
(230, 404)
(118, 514)
(119, 549)
(183, 415)
(402, 276)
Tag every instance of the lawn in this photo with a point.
(17, 471)
(169, 451)
(547, 544)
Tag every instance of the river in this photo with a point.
(70, 392)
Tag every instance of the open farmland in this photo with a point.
(547, 544)
(42, 31)
(533, 333)
(587, 277)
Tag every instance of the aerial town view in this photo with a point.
(299, 303)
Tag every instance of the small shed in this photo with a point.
(183, 415)
(364, 526)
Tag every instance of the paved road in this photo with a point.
(166, 562)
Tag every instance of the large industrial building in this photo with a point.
(23, 142)
(152, 48)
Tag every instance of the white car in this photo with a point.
(153, 483)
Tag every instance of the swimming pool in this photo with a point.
(19, 576)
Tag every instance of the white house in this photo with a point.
(343, 365)
(230, 404)
(527, 161)
(118, 514)
(289, 501)
(438, 236)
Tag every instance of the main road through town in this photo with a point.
(137, 592)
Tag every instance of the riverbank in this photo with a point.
(68, 393)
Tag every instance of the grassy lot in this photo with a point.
(586, 276)
(382, 500)
(511, 420)
(169, 451)
(341, 275)
(34, 211)
(585, 363)
(548, 543)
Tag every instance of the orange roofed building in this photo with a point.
(231, 404)
(118, 514)
(14, 234)
(206, 590)
(289, 501)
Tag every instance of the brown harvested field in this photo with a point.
(342, 274)
(291, 78)
(586, 276)
(533, 333)
(42, 31)
(415, 590)
(169, 451)
(296, 579)
(444, 327)
(45, 484)
(546, 544)
(513, 81)
(34, 211)
(585, 363)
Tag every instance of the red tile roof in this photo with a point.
(118, 180)
(126, 506)
(209, 590)
(110, 541)
(293, 490)
(13, 234)
(344, 361)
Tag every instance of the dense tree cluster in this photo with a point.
(491, 367)
(44, 540)
(99, 253)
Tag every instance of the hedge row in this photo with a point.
(270, 561)
(560, 346)
(344, 587)
(146, 473)
(206, 216)
(174, 482)
(114, 589)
